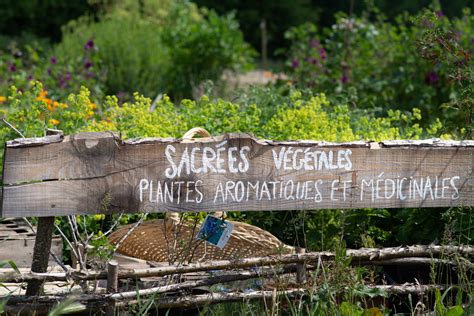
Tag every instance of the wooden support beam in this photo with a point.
(39, 264)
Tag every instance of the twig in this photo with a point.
(67, 240)
(144, 215)
(116, 222)
(187, 301)
(12, 127)
(78, 252)
(358, 256)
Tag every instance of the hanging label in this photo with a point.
(215, 231)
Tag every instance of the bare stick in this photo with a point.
(66, 240)
(361, 256)
(144, 215)
(187, 301)
(78, 251)
(12, 127)
(116, 222)
(242, 275)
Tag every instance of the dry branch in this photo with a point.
(190, 301)
(359, 256)
(187, 301)
(244, 275)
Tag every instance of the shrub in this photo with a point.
(22, 63)
(132, 58)
(380, 62)
(201, 45)
(159, 53)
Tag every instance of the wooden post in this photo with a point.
(112, 285)
(300, 268)
(44, 236)
(43, 239)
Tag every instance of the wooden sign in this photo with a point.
(99, 173)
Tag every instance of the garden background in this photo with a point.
(333, 70)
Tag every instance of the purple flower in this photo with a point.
(89, 45)
(313, 43)
(295, 63)
(53, 60)
(427, 23)
(30, 77)
(68, 76)
(431, 78)
(322, 53)
(439, 14)
(49, 71)
(62, 83)
(312, 60)
(87, 64)
(12, 67)
(344, 79)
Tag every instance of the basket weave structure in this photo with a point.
(170, 240)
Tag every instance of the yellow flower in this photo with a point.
(55, 104)
(50, 108)
(2, 99)
(93, 106)
(53, 122)
(62, 105)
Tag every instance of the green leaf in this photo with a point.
(69, 305)
(455, 311)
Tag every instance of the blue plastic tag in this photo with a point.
(215, 231)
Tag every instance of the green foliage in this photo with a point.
(381, 64)
(315, 118)
(68, 306)
(132, 58)
(21, 63)
(31, 112)
(220, 116)
(137, 119)
(442, 44)
(13, 265)
(202, 45)
(170, 50)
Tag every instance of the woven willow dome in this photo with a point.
(173, 240)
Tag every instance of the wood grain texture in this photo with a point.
(99, 173)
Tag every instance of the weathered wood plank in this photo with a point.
(99, 173)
